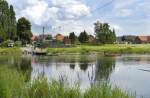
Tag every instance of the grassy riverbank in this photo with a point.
(13, 85)
(10, 51)
(121, 49)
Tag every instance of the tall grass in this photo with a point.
(10, 51)
(113, 48)
(13, 85)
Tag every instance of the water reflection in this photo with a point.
(87, 70)
(84, 66)
(75, 67)
(104, 68)
(21, 63)
(72, 66)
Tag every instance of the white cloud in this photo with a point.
(39, 12)
(64, 16)
(123, 8)
(53, 13)
(77, 10)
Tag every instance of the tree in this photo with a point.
(49, 37)
(104, 34)
(12, 24)
(2, 34)
(24, 30)
(72, 37)
(7, 20)
(83, 37)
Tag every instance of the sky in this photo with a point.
(127, 17)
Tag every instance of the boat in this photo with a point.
(39, 52)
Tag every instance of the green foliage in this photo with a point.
(49, 37)
(107, 48)
(104, 34)
(13, 85)
(10, 83)
(83, 37)
(5, 43)
(7, 21)
(72, 37)
(24, 30)
(12, 25)
(10, 51)
(2, 34)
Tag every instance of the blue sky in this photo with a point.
(128, 17)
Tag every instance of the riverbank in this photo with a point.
(13, 85)
(116, 49)
(103, 49)
(10, 51)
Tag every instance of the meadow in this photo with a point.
(113, 48)
(10, 51)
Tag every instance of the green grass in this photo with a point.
(122, 49)
(13, 85)
(10, 51)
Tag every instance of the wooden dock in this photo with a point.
(32, 51)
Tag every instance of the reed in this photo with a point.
(13, 85)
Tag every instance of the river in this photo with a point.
(129, 72)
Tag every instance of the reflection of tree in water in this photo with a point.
(23, 64)
(104, 68)
(72, 66)
(84, 66)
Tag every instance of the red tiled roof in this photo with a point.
(60, 37)
(144, 38)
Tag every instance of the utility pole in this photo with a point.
(43, 32)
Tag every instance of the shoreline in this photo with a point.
(108, 50)
(103, 49)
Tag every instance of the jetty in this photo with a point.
(33, 51)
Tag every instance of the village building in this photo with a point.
(142, 39)
(92, 39)
(67, 41)
(126, 39)
(59, 37)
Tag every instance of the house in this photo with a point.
(91, 39)
(59, 37)
(44, 37)
(34, 38)
(126, 39)
(142, 39)
(67, 41)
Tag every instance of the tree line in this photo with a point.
(10, 28)
(103, 35)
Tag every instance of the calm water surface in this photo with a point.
(129, 72)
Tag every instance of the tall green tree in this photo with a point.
(7, 19)
(104, 34)
(12, 24)
(4, 16)
(2, 34)
(83, 37)
(24, 30)
(72, 37)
